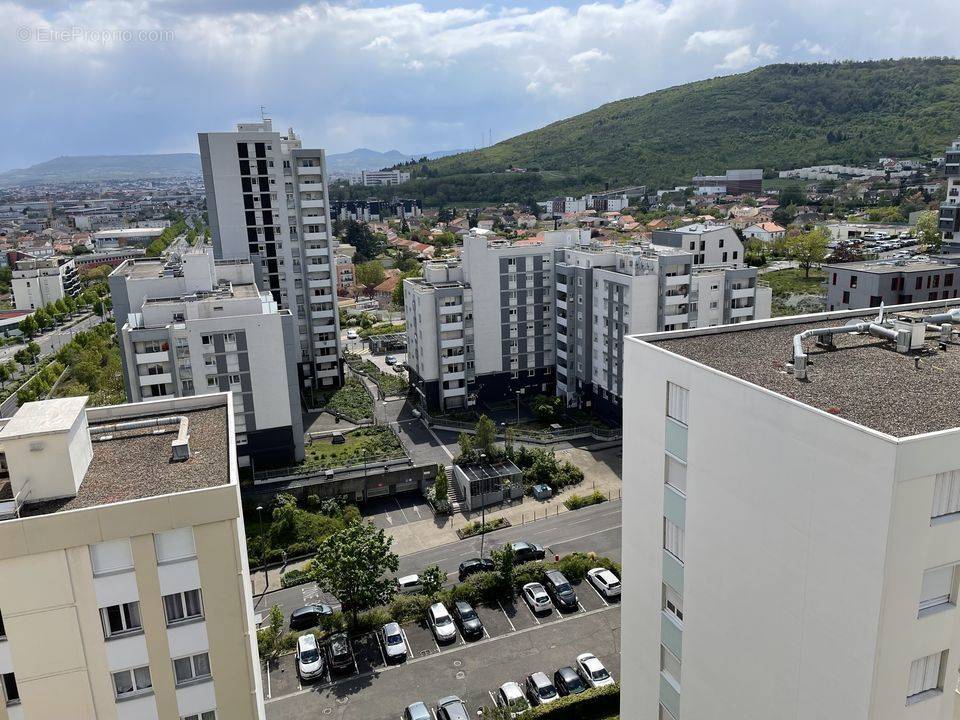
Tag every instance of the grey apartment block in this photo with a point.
(856, 285)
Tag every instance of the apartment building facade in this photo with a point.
(375, 178)
(732, 182)
(40, 281)
(122, 549)
(203, 326)
(267, 201)
(870, 283)
(605, 292)
(949, 218)
(794, 545)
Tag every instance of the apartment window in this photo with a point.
(234, 379)
(174, 545)
(131, 682)
(919, 284)
(208, 715)
(192, 668)
(938, 589)
(926, 676)
(211, 382)
(853, 281)
(111, 556)
(3, 632)
(182, 606)
(714, 305)
(675, 474)
(946, 494)
(670, 666)
(11, 694)
(846, 296)
(673, 539)
(120, 619)
(206, 339)
(677, 402)
(672, 602)
(665, 714)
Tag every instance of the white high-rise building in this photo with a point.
(793, 489)
(201, 326)
(267, 201)
(40, 281)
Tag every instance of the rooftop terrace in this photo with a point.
(863, 380)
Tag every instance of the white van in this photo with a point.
(409, 584)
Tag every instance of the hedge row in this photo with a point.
(595, 703)
(575, 502)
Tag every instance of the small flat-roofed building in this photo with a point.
(125, 589)
(793, 489)
(855, 285)
(488, 482)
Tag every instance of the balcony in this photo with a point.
(451, 343)
(309, 170)
(324, 344)
(451, 326)
(675, 319)
(317, 252)
(458, 375)
(318, 267)
(308, 204)
(561, 305)
(674, 280)
(454, 392)
(159, 379)
(561, 354)
(147, 358)
(318, 236)
(328, 372)
(741, 312)
(322, 314)
(738, 293)
(451, 309)
(561, 287)
(311, 187)
(675, 299)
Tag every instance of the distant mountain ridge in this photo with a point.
(105, 168)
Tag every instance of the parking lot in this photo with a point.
(516, 642)
(393, 510)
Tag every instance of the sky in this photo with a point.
(124, 77)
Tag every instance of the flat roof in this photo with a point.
(40, 418)
(137, 464)
(891, 267)
(129, 232)
(490, 469)
(864, 380)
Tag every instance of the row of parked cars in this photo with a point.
(312, 661)
(537, 689)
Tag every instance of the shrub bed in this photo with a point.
(575, 502)
(351, 401)
(294, 577)
(594, 703)
(476, 527)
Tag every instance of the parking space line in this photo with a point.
(383, 654)
(492, 697)
(580, 605)
(406, 641)
(269, 688)
(507, 617)
(599, 594)
(401, 509)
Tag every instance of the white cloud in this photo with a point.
(347, 73)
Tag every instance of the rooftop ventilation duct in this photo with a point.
(180, 446)
(902, 333)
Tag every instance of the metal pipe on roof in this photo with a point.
(180, 445)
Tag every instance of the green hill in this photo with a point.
(775, 117)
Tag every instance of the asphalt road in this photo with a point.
(592, 529)
(55, 340)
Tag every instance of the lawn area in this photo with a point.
(360, 444)
(352, 401)
(791, 282)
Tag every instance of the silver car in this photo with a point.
(441, 622)
(394, 642)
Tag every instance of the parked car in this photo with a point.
(352, 335)
(394, 643)
(542, 491)
(309, 616)
(474, 565)
(540, 690)
(536, 597)
(568, 682)
(339, 652)
(560, 591)
(398, 369)
(441, 623)
(510, 697)
(592, 671)
(390, 359)
(409, 584)
(525, 551)
(451, 708)
(467, 619)
(417, 711)
(309, 659)
(606, 583)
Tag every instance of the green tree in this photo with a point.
(809, 248)
(792, 194)
(23, 357)
(28, 326)
(432, 579)
(42, 316)
(271, 639)
(929, 236)
(34, 350)
(485, 435)
(370, 274)
(495, 712)
(504, 561)
(466, 445)
(4, 374)
(441, 487)
(352, 565)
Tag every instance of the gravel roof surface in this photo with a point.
(864, 380)
(137, 464)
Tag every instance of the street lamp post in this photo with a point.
(260, 526)
(518, 394)
(483, 508)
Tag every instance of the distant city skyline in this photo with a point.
(127, 78)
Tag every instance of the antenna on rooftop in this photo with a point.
(263, 112)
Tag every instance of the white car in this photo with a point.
(409, 584)
(394, 643)
(606, 583)
(536, 597)
(309, 657)
(352, 335)
(592, 671)
(510, 697)
(441, 622)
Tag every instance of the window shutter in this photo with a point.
(677, 400)
(175, 545)
(936, 587)
(946, 494)
(111, 556)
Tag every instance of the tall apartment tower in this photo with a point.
(793, 488)
(198, 326)
(267, 201)
(125, 592)
(950, 208)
